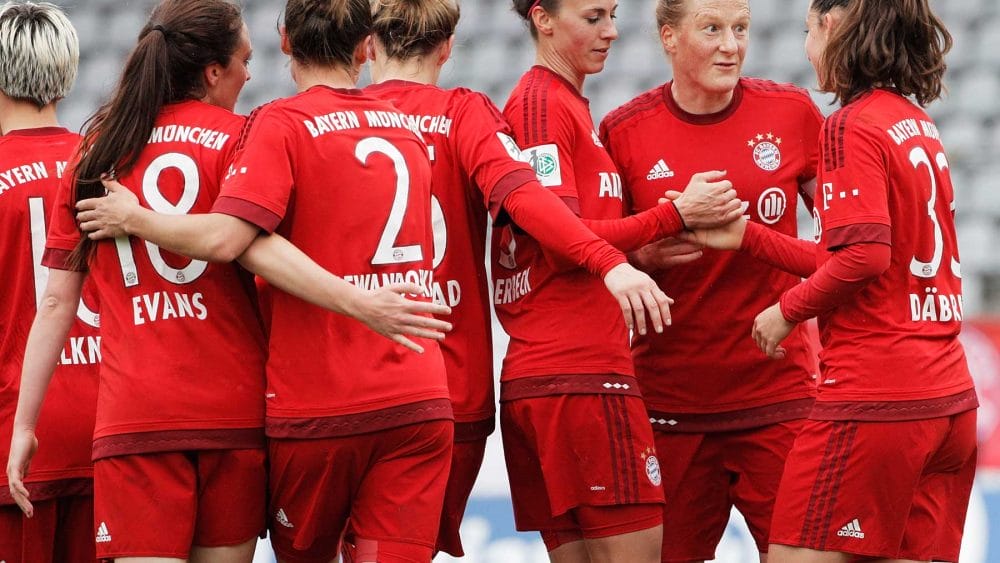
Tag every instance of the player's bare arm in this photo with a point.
(222, 238)
(45, 342)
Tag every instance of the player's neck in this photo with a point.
(421, 70)
(552, 60)
(697, 101)
(15, 114)
(307, 76)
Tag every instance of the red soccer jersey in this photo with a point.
(705, 364)
(892, 352)
(183, 350)
(346, 179)
(32, 161)
(559, 322)
(474, 165)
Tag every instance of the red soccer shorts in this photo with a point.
(569, 451)
(62, 529)
(705, 475)
(390, 483)
(896, 490)
(162, 504)
(466, 459)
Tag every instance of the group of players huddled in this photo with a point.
(274, 292)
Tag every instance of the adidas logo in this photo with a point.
(283, 519)
(660, 171)
(852, 530)
(103, 536)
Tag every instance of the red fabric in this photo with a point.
(157, 374)
(594, 522)
(544, 440)
(61, 530)
(767, 142)
(466, 460)
(390, 484)
(847, 271)
(707, 474)
(882, 164)
(788, 253)
(160, 505)
(546, 218)
(32, 162)
(283, 166)
(635, 231)
(893, 490)
(558, 321)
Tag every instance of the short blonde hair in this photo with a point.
(39, 52)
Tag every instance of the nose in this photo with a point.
(610, 31)
(729, 43)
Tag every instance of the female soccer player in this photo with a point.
(568, 393)
(172, 459)
(475, 162)
(347, 411)
(884, 467)
(40, 53)
(726, 413)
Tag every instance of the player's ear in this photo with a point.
(668, 38)
(446, 49)
(212, 74)
(361, 51)
(543, 21)
(286, 46)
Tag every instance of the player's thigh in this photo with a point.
(757, 458)
(402, 492)
(145, 505)
(232, 491)
(848, 486)
(937, 518)
(466, 460)
(696, 488)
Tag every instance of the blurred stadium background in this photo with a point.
(493, 49)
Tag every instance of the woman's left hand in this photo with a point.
(769, 329)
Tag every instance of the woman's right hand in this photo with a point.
(388, 312)
(726, 237)
(23, 445)
(638, 295)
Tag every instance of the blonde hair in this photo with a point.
(412, 28)
(39, 52)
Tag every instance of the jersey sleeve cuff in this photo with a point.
(250, 212)
(861, 232)
(58, 259)
(507, 184)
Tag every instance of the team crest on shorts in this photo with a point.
(766, 153)
(652, 466)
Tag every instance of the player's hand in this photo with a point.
(666, 253)
(725, 237)
(388, 312)
(23, 445)
(106, 217)
(638, 296)
(709, 200)
(769, 329)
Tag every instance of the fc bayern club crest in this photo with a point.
(652, 467)
(766, 151)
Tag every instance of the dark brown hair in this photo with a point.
(181, 38)
(523, 9)
(894, 43)
(326, 32)
(413, 28)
